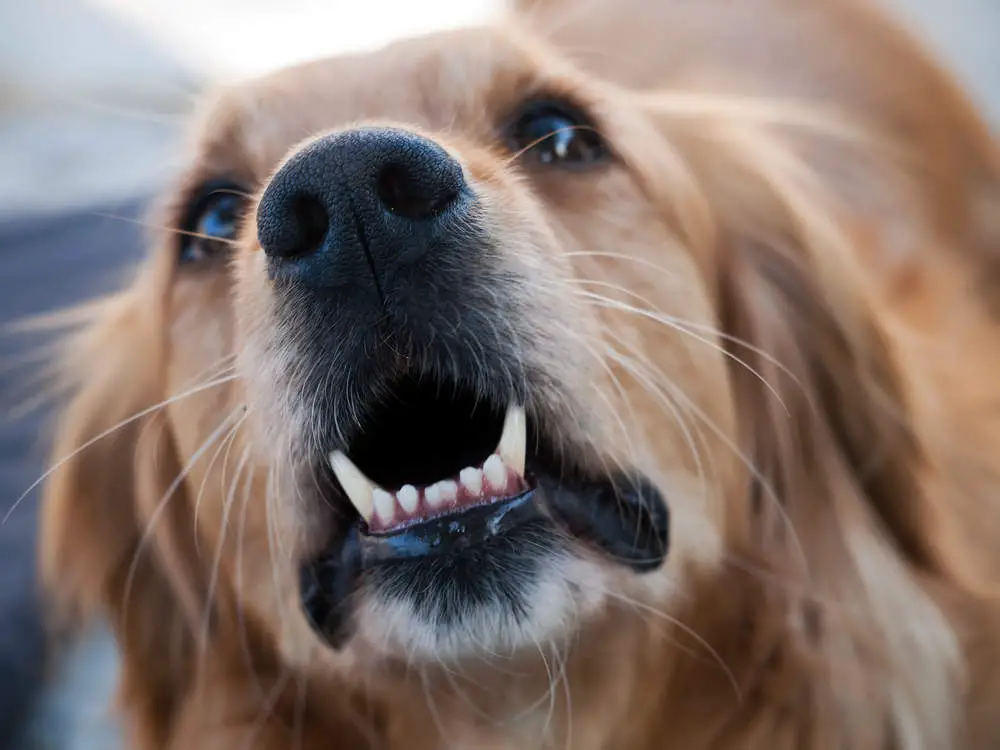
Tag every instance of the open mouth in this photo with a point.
(437, 468)
(426, 457)
(452, 490)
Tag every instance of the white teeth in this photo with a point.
(358, 487)
(449, 491)
(371, 500)
(432, 495)
(514, 439)
(441, 493)
(408, 498)
(385, 505)
(495, 473)
(472, 480)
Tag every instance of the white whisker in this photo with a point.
(642, 607)
(110, 431)
(674, 324)
(161, 505)
(227, 506)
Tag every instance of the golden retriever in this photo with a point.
(622, 375)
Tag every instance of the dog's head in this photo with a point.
(461, 356)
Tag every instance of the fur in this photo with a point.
(779, 301)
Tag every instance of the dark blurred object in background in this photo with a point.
(48, 263)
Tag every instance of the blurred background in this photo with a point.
(93, 99)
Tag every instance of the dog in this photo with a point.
(617, 375)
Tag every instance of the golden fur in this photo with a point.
(780, 300)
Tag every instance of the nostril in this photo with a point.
(301, 225)
(311, 221)
(406, 195)
(291, 224)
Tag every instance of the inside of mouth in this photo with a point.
(424, 431)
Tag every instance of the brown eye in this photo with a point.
(213, 220)
(555, 133)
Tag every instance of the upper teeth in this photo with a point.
(375, 503)
(358, 487)
(513, 440)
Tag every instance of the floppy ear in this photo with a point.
(836, 506)
(822, 410)
(113, 542)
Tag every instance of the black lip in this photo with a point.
(451, 533)
(625, 518)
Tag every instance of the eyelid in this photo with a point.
(563, 106)
(198, 201)
(543, 102)
(196, 206)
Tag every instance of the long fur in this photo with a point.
(840, 235)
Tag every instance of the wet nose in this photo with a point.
(363, 210)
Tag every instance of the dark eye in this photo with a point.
(555, 133)
(212, 222)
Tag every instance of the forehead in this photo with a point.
(458, 82)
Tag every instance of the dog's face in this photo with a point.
(467, 346)
(462, 355)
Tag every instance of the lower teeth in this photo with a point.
(501, 472)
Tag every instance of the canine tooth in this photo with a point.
(358, 487)
(472, 480)
(495, 473)
(514, 439)
(385, 505)
(408, 498)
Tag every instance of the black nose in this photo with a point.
(369, 207)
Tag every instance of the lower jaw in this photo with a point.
(625, 520)
(453, 533)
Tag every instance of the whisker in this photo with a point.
(716, 656)
(214, 370)
(165, 228)
(167, 495)
(432, 707)
(110, 431)
(243, 632)
(645, 377)
(644, 262)
(674, 324)
(673, 320)
(270, 703)
(225, 444)
(599, 392)
(520, 152)
(227, 506)
(744, 459)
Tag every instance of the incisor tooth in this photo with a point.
(408, 498)
(495, 473)
(472, 480)
(358, 487)
(448, 490)
(514, 439)
(385, 505)
(433, 495)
